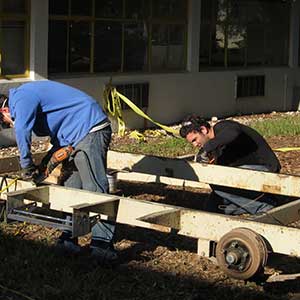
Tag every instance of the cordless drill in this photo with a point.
(48, 165)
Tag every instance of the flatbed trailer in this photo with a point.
(241, 245)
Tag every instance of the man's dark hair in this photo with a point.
(192, 123)
(3, 101)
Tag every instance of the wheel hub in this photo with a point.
(236, 256)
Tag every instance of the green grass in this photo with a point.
(163, 146)
(168, 146)
(281, 126)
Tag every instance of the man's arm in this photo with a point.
(25, 111)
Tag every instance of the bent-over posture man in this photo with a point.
(229, 143)
(71, 118)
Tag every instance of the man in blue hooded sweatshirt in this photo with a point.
(71, 118)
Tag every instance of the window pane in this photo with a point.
(135, 56)
(207, 10)
(167, 47)
(80, 47)
(137, 9)
(236, 44)
(275, 11)
(237, 11)
(205, 44)
(57, 46)
(58, 7)
(81, 8)
(13, 47)
(218, 46)
(276, 50)
(13, 6)
(169, 8)
(109, 8)
(255, 44)
(108, 47)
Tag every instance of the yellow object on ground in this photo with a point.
(287, 149)
(137, 135)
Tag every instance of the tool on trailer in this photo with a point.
(50, 164)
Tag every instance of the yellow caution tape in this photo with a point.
(153, 133)
(287, 149)
(113, 105)
(137, 135)
(9, 185)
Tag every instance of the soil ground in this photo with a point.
(152, 265)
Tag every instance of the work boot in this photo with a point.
(67, 244)
(103, 252)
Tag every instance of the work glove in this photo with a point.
(29, 173)
(203, 157)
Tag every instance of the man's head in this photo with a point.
(196, 130)
(5, 119)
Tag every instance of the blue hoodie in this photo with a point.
(52, 109)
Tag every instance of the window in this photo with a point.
(250, 86)
(14, 38)
(136, 92)
(117, 36)
(244, 33)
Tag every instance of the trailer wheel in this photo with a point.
(242, 253)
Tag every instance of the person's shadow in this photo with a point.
(160, 166)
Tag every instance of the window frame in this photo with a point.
(149, 21)
(26, 19)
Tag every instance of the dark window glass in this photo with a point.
(168, 47)
(108, 47)
(12, 47)
(120, 37)
(250, 86)
(276, 49)
(255, 40)
(169, 8)
(244, 32)
(218, 46)
(135, 46)
(138, 93)
(205, 47)
(137, 9)
(58, 7)
(80, 47)
(81, 8)
(57, 46)
(109, 8)
(236, 44)
(13, 6)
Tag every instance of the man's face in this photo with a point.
(6, 118)
(198, 139)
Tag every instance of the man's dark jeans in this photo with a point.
(236, 204)
(88, 172)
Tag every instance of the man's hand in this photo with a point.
(204, 157)
(29, 173)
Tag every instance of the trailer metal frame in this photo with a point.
(271, 229)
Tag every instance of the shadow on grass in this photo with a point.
(34, 270)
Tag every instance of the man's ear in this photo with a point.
(204, 130)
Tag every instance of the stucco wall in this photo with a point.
(172, 96)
